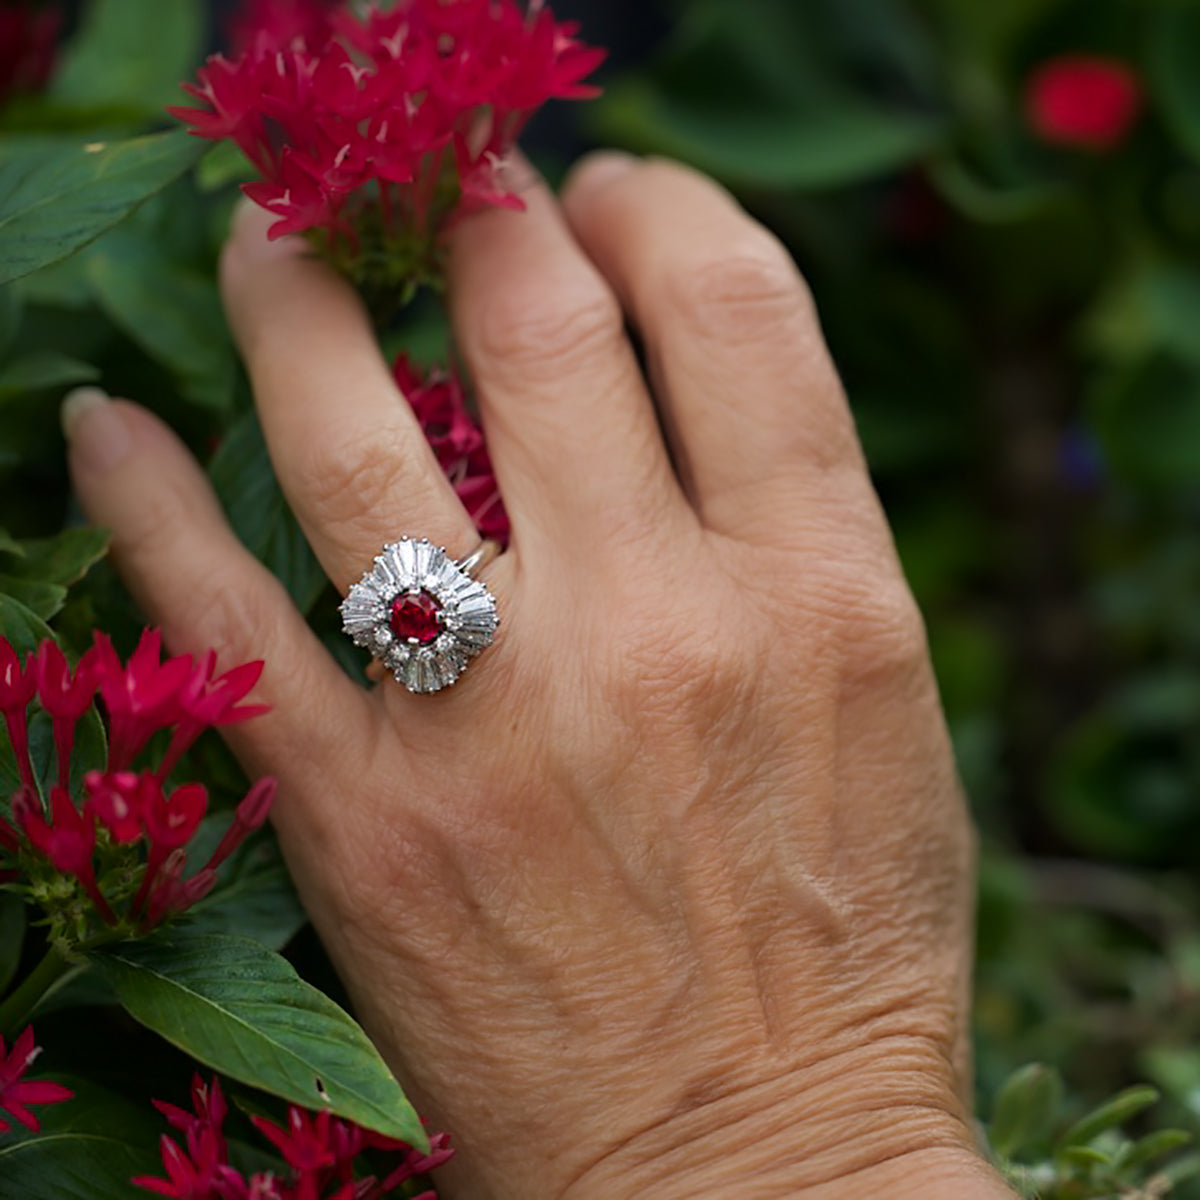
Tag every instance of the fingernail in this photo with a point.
(94, 429)
(248, 232)
(602, 165)
(517, 173)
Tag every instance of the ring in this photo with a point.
(421, 613)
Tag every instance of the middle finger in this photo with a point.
(571, 427)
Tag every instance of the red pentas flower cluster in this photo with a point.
(319, 1149)
(438, 401)
(123, 836)
(1082, 101)
(279, 21)
(373, 129)
(28, 38)
(17, 1093)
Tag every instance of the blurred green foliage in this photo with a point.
(1018, 327)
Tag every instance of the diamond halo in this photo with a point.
(420, 614)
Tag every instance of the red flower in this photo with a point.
(318, 1148)
(304, 1146)
(405, 113)
(28, 38)
(415, 1163)
(132, 810)
(209, 702)
(297, 199)
(208, 1101)
(249, 815)
(16, 1094)
(201, 1171)
(115, 798)
(136, 809)
(438, 402)
(1083, 101)
(279, 22)
(18, 685)
(140, 697)
(66, 695)
(66, 841)
(169, 824)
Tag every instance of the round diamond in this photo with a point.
(416, 618)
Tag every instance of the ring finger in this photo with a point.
(350, 456)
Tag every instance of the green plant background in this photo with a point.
(1018, 327)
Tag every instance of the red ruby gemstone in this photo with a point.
(414, 618)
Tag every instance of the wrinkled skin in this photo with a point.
(671, 894)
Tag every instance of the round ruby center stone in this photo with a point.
(414, 618)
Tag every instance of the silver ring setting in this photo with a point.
(421, 613)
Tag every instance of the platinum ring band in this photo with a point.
(485, 553)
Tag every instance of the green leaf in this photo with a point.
(89, 753)
(1148, 310)
(1176, 1068)
(172, 312)
(1084, 1158)
(1154, 1146)
(43, 599)
(58, 195)
(12, 937)
(1181, 1169)
(242, 475)
(1168, 298)
(1121, 1108)
(240, 1008)
(129, 56)
(10, 317)
(1025, 1109)
(222, 165)
(1148, 420)
(88, 1148)
(64, 558)
(63, 284)
(747, 92)
(1174, 69)
(989, 203)
(832, 142)
(23, 629)
(43, 369)
(10, 545)
(991, 30)
(84, 987)
(259, 901)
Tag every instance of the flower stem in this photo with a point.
(16, 1009)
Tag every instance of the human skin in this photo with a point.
(671, 894)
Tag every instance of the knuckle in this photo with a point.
(339, 481)
(236, 623)
(877, 627)
(544, 334)
(697, 678)
(747, 295)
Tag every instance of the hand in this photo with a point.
(672, 892)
